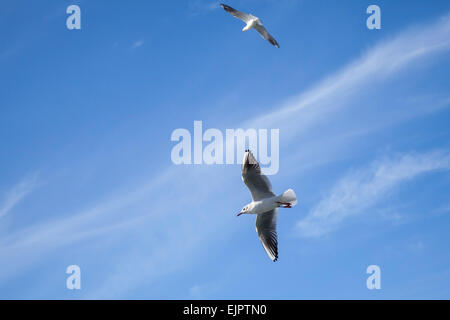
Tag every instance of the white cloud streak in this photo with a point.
(197, 7)
(363, 189)
(384, 60)
(117, 216)
(17, 193)
(138, 44)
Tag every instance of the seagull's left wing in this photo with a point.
(237, 14)
(266, 227)
(266, 35)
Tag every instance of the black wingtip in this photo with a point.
(227, 8)
(274, 43)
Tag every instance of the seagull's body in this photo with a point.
(265, 204)
(252, 22)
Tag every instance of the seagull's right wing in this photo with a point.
(266, 227)
(266, 35)
(257, 183)
(237, 14)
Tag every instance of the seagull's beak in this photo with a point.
(239, 214)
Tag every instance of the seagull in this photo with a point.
(265, 203)
(252, 22)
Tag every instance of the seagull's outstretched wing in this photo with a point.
(257, 183)
(266, 227)
(237, 14)
(266, 35)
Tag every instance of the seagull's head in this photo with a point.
(246, 210)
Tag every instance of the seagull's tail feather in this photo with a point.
(288, 197)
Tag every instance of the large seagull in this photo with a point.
(265, 204)
(252, 23)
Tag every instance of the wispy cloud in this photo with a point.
(378, 63)
(203, 291)
(137, 44)
(202, 6)
(17, 193)
(122, 214)
(363, 189)
(85, 223)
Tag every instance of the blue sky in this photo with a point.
(86, 175)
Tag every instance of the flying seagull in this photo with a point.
(265, 204)
(252, 22)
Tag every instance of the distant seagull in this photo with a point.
(265, 204)
(252, 22)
